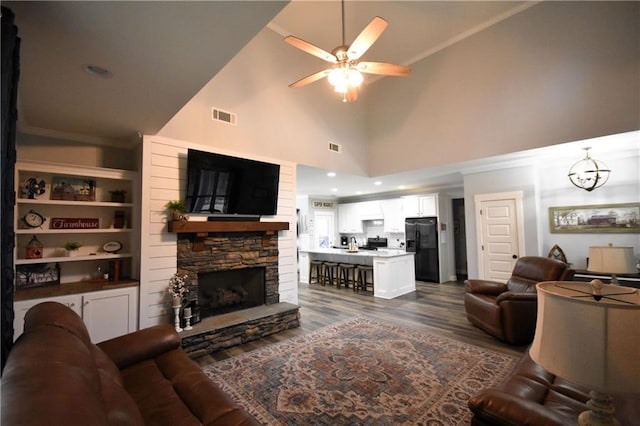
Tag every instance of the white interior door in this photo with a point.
(500, 234)
(324, 229)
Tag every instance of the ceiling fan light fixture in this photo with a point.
(355, 78)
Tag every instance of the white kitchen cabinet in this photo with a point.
(349, 218)
(394, 276)
(393, 213)
(106, 313)
(421, 206)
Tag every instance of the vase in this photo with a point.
(177, 304)
(72, 253)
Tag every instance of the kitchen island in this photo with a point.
(393, 269)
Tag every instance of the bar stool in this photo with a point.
(361, 277)
(330, 273)
(346, 274)
(315, 266)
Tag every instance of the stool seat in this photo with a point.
(346, 274)
(362, 274)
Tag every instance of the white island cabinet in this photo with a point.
(393, 270)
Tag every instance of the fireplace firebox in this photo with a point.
(221, 292)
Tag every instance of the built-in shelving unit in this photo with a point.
(73, 193)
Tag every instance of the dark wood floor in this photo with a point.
(437, 308)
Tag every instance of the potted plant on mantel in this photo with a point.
(176, 209)
(72, 248)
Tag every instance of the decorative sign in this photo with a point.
(323, 204)
(74, 223)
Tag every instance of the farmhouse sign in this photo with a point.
(74, 223)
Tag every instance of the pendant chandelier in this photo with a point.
(589, 173)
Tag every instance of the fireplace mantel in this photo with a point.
(202, 229)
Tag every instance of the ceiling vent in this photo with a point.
(334, 147)
(224, 116)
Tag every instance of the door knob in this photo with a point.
(515, 256)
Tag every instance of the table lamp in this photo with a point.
(590, 340)
(612, 260)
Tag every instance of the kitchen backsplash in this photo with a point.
(375, 228)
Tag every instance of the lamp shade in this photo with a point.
(614, 260)
(595, 343)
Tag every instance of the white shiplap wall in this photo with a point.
(164, 175)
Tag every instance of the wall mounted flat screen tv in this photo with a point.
(223, 185)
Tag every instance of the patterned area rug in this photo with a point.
(361, 372)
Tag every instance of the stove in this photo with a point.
(374, 244)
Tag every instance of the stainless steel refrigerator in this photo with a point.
(421, 235)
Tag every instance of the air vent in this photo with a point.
(334, 147)
(224, 116)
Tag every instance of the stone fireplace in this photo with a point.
(232, 275)
(227, 260)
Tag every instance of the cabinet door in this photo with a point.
(73, 301)
(394, 216)
(110, 313)
(349, 218)
(428, 205)
(411, 207)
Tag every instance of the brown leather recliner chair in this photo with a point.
(508, 310)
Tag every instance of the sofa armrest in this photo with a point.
(517, 297)
(485, 287)
(496, 407)
(140, 345)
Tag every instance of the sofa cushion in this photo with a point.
(168, 390)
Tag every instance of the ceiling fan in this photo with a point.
(345, 74)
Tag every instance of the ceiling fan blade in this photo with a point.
(366, 38)
(383, 68)
(310, 48)
(310, 78)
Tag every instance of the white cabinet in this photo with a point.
(370, 210)
(77, 205)
(349, 218)
(394, 276)
(106, 313)
(421, 206)
(393, 213)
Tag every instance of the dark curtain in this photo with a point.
(10, 74)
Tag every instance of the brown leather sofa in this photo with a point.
(531, 396)
(54, 375)
(508, 311)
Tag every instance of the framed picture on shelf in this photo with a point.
(600, 218)
(73, 189)
(37, 275)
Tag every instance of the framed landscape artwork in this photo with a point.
(601, 218)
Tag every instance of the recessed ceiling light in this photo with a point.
(401, 187)
(331, 174)
(358, 192)
(98, 71)
(334, 189)
(377, 182)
